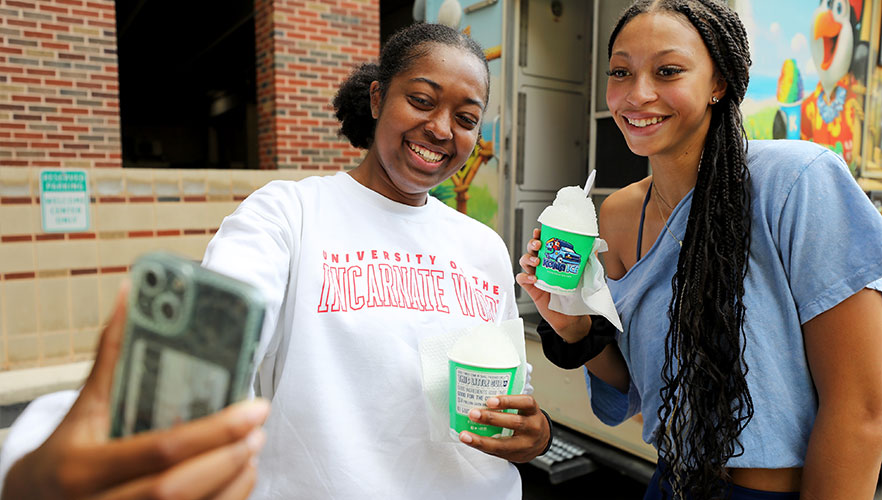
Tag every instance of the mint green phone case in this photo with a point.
(189, 344)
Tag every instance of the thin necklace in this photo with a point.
(665, 221)
(662, 199)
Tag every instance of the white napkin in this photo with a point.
(435, 373)
(593, 295)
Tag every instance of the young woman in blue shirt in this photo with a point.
(747, 275)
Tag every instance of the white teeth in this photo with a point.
(645, 122)
(425, 154)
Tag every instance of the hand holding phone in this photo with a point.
(213, 457)
(189, 344)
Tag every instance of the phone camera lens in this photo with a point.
(168, 311)
(152, 280)
(166, 308)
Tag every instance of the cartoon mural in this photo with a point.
(808, 79)
(872, 166)
(474, 189)
(873, 150)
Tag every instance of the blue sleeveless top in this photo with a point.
(816, 240)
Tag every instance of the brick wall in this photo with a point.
(59, 96)
(59, 108)
(305, 49)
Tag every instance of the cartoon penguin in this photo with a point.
(829, 113)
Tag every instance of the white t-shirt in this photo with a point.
(353, 281)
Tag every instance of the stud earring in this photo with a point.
(714, 99)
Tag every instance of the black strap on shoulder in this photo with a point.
(642, 218)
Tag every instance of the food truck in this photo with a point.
(547, 126)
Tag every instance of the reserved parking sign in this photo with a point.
(64, 200)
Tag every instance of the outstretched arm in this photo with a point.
(844, 349)
(213, 457)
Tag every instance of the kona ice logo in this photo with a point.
(560, 256)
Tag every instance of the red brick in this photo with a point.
(38, 34)
(20, 276)
(55, 27)
(56, 46)
(49, 237)
(71, 20)
(87, 13)
(107, 6)
(28, 135)
(103, 24)
(41, 72)
(52, 8)
(59, 83)
(24, 24)
(26, 98)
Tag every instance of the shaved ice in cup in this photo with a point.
(482, 365)
(569, 228)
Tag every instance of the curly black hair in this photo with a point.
(705, 398)
(352, 103)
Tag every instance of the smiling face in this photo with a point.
(661, 82)
(427, 124)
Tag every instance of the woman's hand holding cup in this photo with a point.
(570, 328)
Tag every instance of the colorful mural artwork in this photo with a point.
(809, 74)
(873, 148)
(474, 189)
(873, 151)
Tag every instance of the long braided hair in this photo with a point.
(706, 402)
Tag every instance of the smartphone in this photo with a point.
(189, 344)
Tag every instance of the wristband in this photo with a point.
(570, 356)
(550, 433)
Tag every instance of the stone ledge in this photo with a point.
(21, 386)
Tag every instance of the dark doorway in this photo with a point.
(394, 15)
(187, 73)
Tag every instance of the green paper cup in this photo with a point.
(470, 387)
(562, 259)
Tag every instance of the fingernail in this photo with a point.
(465, 437)
(255, 411)
(493, 402)
(531, 278)
(474, 415)
(534, 261)
(255, 440)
